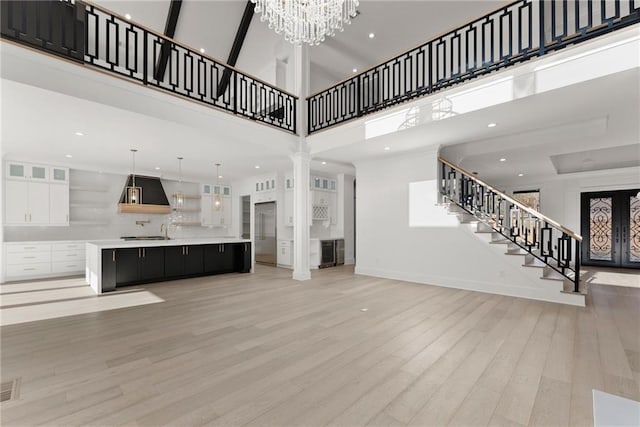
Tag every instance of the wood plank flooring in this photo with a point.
(261, 349)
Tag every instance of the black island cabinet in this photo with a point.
(130, 266)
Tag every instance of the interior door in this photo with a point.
(611, 228)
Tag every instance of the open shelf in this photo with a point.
(88, 189)
(187, 196)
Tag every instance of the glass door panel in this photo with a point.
(611, 228)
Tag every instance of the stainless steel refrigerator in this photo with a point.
(264, 233)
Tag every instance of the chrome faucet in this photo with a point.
(164, 229)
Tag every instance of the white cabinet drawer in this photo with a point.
(68, 246)
(26, 247)
(24, 270)
(285, 243)
(28, 257)
(68, 267)
(73, 255)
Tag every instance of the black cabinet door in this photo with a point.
(152, 264)
(218, 258)
(108, 270)
(174, 261)
(193, 260)
(127, 260)
(227, 258)
(211, 259)
(242, 257)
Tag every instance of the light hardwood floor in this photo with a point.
(261, 349)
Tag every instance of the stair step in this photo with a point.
(536, 263)
(500, 242)
(517, 251)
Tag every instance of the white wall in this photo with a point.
(439, 252)
(560, 194)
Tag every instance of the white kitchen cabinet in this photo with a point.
(36, 194)
(59, 175)
(39, 198)
(59, 204)
(26, 203)
(27, 171)
(25, 260)
(16, 206)
(209, 217)
(288, 208)
(265, 189)
(285, 253)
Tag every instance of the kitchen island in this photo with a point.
(111, 263)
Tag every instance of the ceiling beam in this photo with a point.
(169, 31)
(247, 15)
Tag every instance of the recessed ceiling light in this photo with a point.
(371, 35)
(324, 163)
(257, 166)
(220, 177)
(492, 125)
(79, 134)
(202, 50)
(387, 148)
(520, 174)
(355, 70)
(68, 156)
(157, 168)
(126, 15)
(503, 159)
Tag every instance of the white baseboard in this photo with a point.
(535, 293)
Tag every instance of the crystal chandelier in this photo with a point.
(306, 21)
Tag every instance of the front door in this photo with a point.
(611, 228)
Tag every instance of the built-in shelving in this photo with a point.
(88, 189)
(185, 209)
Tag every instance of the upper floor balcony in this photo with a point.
(100, 39)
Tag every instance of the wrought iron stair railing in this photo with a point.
(94, 36)
(512, 34)
(550, 242)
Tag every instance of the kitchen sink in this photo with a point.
(144, 238)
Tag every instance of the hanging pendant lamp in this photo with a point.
(179, 193)
(134, 193)
(217, 198)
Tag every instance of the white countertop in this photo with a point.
(42, 242)
(109, 244)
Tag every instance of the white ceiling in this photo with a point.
(398, 26)
(599, 113)
(116, 115)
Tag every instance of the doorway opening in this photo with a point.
(245, 217)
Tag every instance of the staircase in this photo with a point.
(549, 250)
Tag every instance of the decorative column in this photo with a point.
(301, 215)
(301, 169)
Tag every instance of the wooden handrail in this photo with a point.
(189, 48)
(533, 212)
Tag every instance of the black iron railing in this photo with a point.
(555, 245)
(512, 34)
(95, 36)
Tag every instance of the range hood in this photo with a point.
(152, 200)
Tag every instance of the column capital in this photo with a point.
(300, 156)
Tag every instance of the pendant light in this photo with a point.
(134, 193)
(217, 199)
(179, 193)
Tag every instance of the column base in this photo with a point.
(301, 275)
